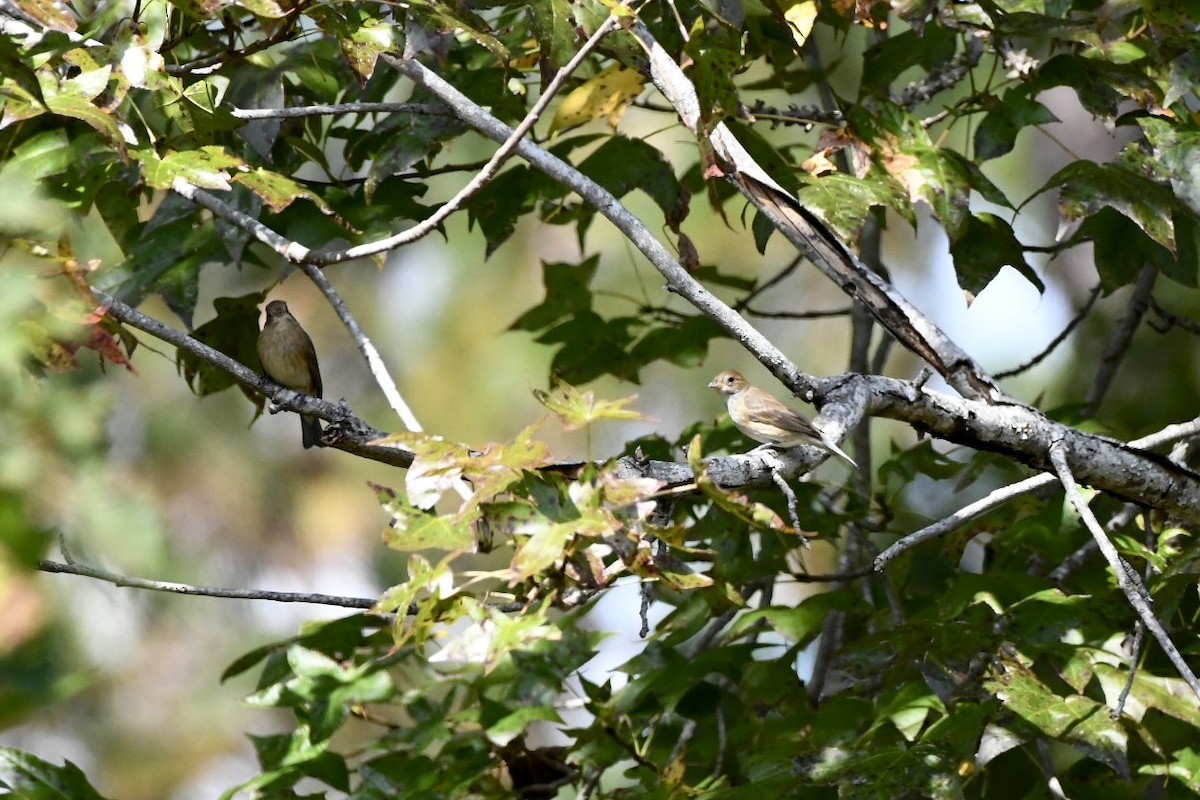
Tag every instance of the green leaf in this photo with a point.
(802, 623)
(413, 529)
(234, 332)
(607, 95)
(553, 24)
(909, 707)
(506, 199)
(14, 67)
(166, 259)
(461, 18)
(844, 202)
(716, 56)
(1121, 248)
(985, 246)
(884, 62)
(1073, 718)
(30, 778)
(1006, 117)
(621, 165)
(278, 191)
(567, 294)
(1086, 188)
(361, 36)
(1171, 153)
(513, 725)
(684, 343)
(591, 346)
(206, 167)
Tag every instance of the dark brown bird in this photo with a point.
(764, 419)
(289, 358)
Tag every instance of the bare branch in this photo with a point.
(1122, 336)
(130, 582)
(1129, 581)
(428, 109)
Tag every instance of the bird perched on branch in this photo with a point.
(289, 358)
(764, 419)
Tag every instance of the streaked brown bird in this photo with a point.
(760, 416)
(289, 358)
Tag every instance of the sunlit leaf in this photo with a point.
(579, 409)
(607, 96)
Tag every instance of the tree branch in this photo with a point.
(127, 581)
(1127, 579)
(1122, 337)
(1002, 495)
(814, 239)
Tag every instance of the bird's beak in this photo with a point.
(712, 384)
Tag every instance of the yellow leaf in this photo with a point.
(606, 95)
(802, 17)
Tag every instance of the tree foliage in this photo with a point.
(180, 139)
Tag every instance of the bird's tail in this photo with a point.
(310, 428)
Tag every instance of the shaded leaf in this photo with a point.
(984, 247)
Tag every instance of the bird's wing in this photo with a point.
(314, 370)
(764, 409)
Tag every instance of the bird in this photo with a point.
(289, 358)
(760, 416)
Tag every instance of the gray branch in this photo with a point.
(1129, 581)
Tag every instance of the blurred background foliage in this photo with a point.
(119, 465)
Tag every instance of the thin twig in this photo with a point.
(1128, 580)
(774, 280)
(171, 587)
(489, 171)
(1122, 336)
(428, 109)
(1057, 340)
(1168, 320)
(823, 314)
(1139, 629)
(130, 582)
(968, 512)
